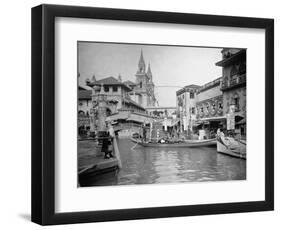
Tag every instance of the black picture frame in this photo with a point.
(43, 114)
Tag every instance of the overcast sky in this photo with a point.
(171, 66)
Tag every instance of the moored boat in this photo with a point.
(183, 144)
(231, 147)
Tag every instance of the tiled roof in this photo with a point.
(187, 89)
(139, 118)
(192, 86)
(129, 100)
(84, 94)
(129, 83)
(84, 87)
(81, 88)
(109, 81)
(118, 116)
(210, 85)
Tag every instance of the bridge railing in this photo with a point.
(126, 126)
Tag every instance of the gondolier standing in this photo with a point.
(111, 131)
(107, 143)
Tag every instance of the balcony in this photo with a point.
(235, 81)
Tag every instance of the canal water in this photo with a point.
(170, 165)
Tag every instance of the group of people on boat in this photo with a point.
(165, 138)
(182, 137)
(232, 144)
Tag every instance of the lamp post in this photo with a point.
(100, 103)
(101, 110)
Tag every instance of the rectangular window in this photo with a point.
(191, 95)
(115, 88)
(236, 102)
(106, 89)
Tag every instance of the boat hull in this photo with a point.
(186, 144)
(224, 149)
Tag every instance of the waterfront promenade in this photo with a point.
(91, 160)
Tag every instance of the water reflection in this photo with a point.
(151, 165)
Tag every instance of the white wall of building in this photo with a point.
(187, 117)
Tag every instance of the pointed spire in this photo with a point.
(87, 81)
(149, 73)
(119, 78)
(141, 57)
(94, 78)
(141, 64)
(149, 70)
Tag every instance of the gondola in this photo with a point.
(183, 144)
(231, 147)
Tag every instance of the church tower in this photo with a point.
(141, 77)
(141, 66)
(149, 73)
(144, 84)
(150, 87)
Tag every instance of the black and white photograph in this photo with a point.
(150, 114)
(142, 114)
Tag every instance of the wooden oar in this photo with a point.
(134, 146)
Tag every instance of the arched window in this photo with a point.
(141, 84)
(108, 112)
(207, 109)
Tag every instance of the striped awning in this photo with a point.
(212, 119)
(243, 121)
(139, 119)
(118, 116)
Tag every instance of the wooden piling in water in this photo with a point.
(116, 152)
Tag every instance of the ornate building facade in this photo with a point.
(200, 104)
(116, 95)
(209, 105)
(109, 96)
(112, 99)
(214, 99)
(233, 85)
